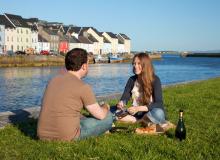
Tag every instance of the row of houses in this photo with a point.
(19, 34)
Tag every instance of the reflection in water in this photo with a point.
(24, 87)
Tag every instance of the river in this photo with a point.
(24, 87)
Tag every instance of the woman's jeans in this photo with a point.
(90, 126)
(156, 115)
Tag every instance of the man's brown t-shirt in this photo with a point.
(63, 100)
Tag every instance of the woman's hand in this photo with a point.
(132, 110)
(120, 105)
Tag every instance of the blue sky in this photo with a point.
(151, 24)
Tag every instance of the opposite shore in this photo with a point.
(43, 60)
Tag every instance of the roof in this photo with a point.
(97, 32)
(93, 39)
(124, 36)
(87, 28)
(106, 40)
(34, 28)
(17, 20)
(65, 28)
(120, 41)
(41, 39)
(74, 40)
(6, 22)
(50, 32)
(32, 20)
(74, 29)
(83, 29)
(84, 40)
(112, 35)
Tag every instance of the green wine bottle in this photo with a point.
(180, 132)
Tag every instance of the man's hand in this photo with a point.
(99, 112)
(105, 105)
(132, 110)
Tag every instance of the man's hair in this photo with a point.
(75, 58)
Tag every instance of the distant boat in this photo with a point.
(115, 58)
(100, 59)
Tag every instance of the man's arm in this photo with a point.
(97, 111)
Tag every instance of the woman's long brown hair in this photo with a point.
(146, 77)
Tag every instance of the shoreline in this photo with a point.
(21, 115)
(44, 61)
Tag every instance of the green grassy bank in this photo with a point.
(200, 102)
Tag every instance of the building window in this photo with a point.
(17, 39)
(32, 40)
(21, 31)
(18, 48)
(17, 30)
(26, 39)
(22, 48)
(26, 31)
(21, 39)
(0, 29)
(12, 47)
(7, 38)
(12, 39)
(0, 38)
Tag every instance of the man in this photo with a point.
(63, 100)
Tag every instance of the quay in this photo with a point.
(214, 55)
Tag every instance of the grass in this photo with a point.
(200, 102)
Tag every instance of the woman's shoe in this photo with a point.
(168, 125)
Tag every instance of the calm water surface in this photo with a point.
(24, 87)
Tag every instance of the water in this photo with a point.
(24, 87)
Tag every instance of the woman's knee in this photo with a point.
(156, 115)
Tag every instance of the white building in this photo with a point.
(113, 39)
(107, 46)
(126, 41)
(18, 38)
(43, 44)
(121, 47)
(86, 44)
(74, 43)
(2, 38)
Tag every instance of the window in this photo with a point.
(17, 39)
(18, 48)
(21, 39)
(0, 29)
(7, 38)
(12, 39)
(0, 38)
(26, 39)
(32, 40)
(21, 31)
(22, 48)
(17, 30)
(12, 47)
(26, 31)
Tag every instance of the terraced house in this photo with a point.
(19, 34)
(114, 41)
(95, 37)
(18, 38)
(2, 33)
(126, 41)
(33, 24)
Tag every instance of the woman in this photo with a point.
(145, 90)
